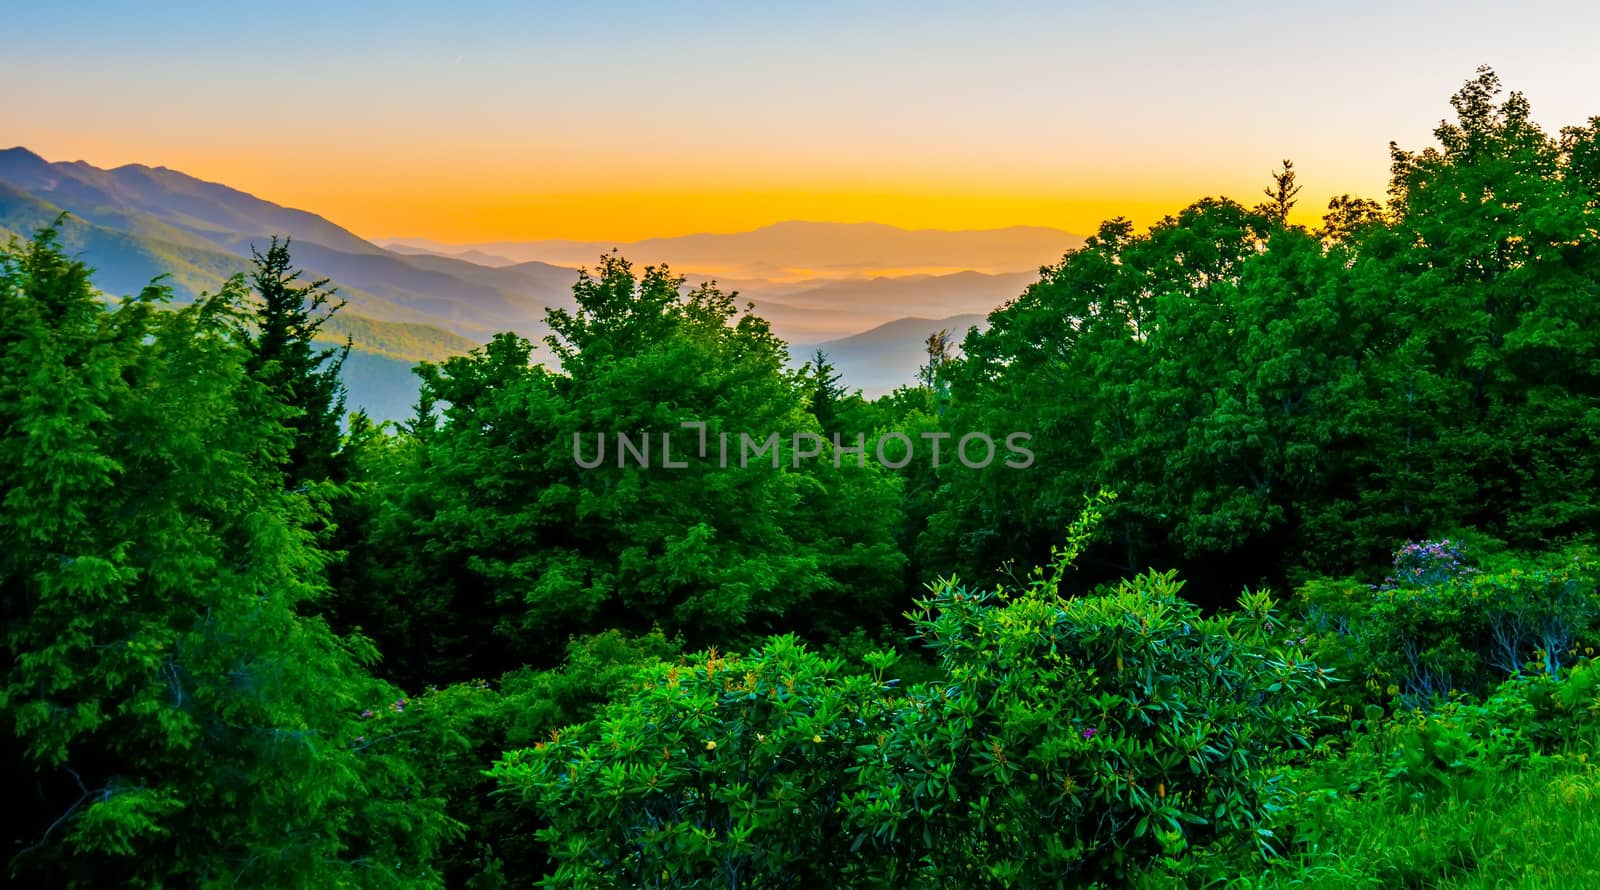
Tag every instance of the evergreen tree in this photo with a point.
(826, 393)
(298, 373)
(171, 719)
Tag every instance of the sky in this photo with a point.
(486, 121)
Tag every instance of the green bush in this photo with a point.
(1080, 739)
(450, 733)
(1442, 625)
(1065, 740)
(723, 771)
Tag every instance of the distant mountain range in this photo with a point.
(134, 223)
(413, 300)
(837, 309)
(790, 251)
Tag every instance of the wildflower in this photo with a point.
(817, 739)
(1089, 733)
(711, 746)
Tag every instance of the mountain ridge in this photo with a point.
(842, 285)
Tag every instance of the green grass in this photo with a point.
(1538, 827)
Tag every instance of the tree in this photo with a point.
(1108, 361)
(1491, 269)
(284, 356)
(1271, 400)
(939, 355)
(826, 393)
(1281, 194)
(1347, 215)
(172, 718)
(519, 518)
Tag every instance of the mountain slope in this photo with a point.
(815, 282)
(211, 211)
(887, 357)
(378, 372)
(166, 214)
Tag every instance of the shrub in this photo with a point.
(1440, 625)
(1065, 739)
(1493, 793)
(1079, 739)
(721, 771)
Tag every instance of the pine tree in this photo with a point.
(170, 716)
(826, 392)
(301, 376)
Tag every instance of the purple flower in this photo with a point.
(1089, 733)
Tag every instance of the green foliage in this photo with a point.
(719, 772)
(1066, 740)
(1440, 625)
(173, 718)
(506, 545)
(826, 394)
(1274, 403)
(1498, 793)
(451, 733)
(304, 379)
(1078, 739)
(198, 569)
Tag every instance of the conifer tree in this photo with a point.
(285, 357)
(826, 393)
(169, 716)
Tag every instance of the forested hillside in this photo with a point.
(1295, 585)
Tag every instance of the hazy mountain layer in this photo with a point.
(887, 357)
(803, 250)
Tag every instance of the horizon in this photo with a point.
(401, 239)
(485, 123)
